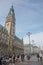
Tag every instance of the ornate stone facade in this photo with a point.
(14, 43)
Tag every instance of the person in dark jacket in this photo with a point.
(0, 60)
(38, 56)
(22, 57)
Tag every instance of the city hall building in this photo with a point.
(9, 42)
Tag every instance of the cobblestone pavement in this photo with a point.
(30, 63)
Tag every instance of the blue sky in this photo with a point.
(28, 13)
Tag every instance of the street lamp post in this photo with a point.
(33, 45)
(29, 41)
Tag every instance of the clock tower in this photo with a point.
(10, 22)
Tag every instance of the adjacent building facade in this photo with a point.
(30, 49)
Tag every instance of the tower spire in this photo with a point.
(11, 11)
(10, 22)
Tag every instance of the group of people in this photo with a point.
(39, 56)
(14, 58)
(17, 58)
(11, 59)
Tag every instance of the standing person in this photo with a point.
(40, 56)
(25, 58)
(0, 60)
(28, 57)
(13, 58)
(18, 56)
(22, 57)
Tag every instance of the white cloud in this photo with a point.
(38, 39)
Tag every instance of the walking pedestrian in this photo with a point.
(13, 58)
(22, 57)
(0, 60)
(40, 56)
